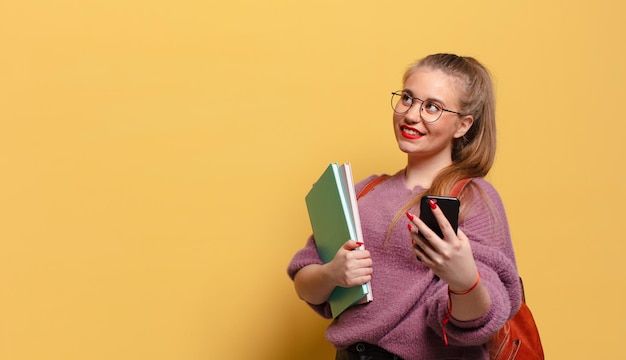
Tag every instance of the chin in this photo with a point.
(407, 149)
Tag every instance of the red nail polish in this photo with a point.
(432, 203)
(410, 227)
(410, 216)
(359, 243)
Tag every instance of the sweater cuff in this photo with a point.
(478, 331)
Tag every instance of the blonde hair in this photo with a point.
(473, 154)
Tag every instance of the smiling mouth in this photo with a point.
(410, 132)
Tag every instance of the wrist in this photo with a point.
(466, 290)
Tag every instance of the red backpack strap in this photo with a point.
(370, 185)
(459, 186)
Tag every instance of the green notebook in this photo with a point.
(334, 217)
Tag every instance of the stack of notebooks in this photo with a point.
(334, 216)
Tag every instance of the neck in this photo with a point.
(420, 172)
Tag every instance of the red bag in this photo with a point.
(519, 337)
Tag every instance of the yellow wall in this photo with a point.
(155, 156)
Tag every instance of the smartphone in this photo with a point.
(449, 206)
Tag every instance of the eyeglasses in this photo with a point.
(430, 110)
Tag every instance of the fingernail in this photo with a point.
(410, 216)
(359, 243)
(432, 203)
(410, 227)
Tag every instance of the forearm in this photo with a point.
(313, 284)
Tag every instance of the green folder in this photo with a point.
(331, 204)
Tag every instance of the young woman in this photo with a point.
(434, 297)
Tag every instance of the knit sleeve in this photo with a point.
(487, 228)
(308, 255)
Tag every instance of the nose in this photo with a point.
(414, 115)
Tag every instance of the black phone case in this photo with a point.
(449, 206)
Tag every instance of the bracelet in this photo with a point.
(466, 291)
(446, 319)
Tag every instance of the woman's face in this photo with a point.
(419, 138)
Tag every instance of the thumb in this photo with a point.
(351, 244)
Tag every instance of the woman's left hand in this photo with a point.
(450, 258)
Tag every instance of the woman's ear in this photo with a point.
(464, 125)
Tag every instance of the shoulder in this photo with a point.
(484, 202)
(483, 198)
(368, 180)
(483, 184)
(377, 180)
(486, 188)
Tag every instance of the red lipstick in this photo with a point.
(410, 133)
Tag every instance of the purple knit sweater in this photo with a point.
(410, 303)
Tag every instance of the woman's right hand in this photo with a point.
(350, 267)
(314, 283)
